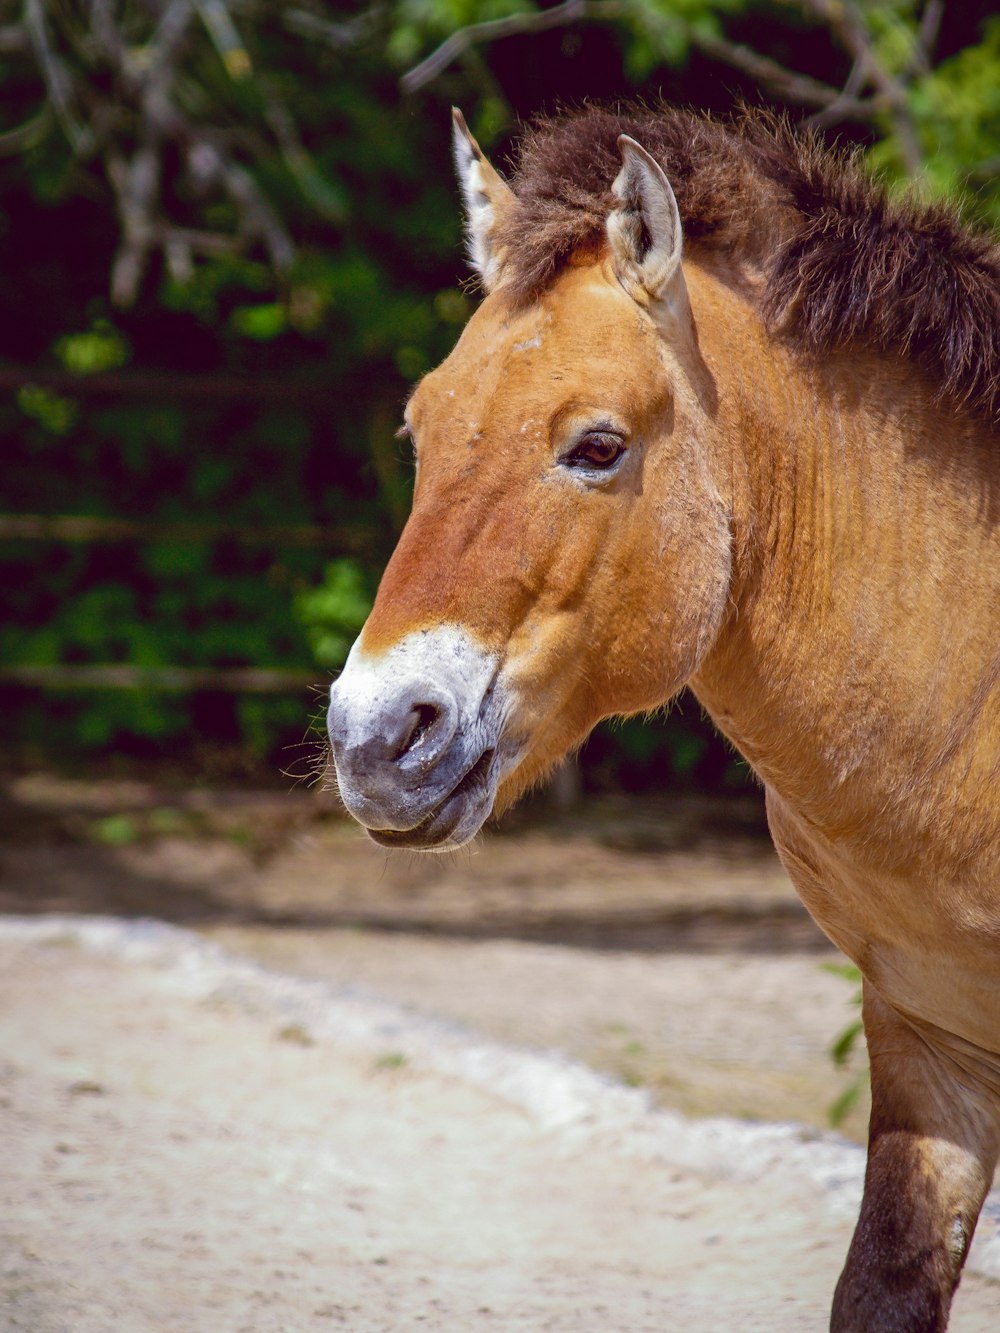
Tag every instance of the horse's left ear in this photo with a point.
(644, 231)
(486, 195)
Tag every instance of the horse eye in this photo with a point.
(405, 435)
(597, 450)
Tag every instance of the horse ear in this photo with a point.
(486, 196)
(644, 232)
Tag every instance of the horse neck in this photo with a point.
(866, 531)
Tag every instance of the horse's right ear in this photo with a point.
(486, 196)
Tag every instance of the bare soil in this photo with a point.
(178, 1156)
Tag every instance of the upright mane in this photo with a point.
(830, 259)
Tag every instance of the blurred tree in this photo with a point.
(214, 130)
(232, 240)
(920, 79)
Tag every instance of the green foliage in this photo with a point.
(334, 612)
(262, 322)
(115, 830)
(844, 1046)
(54, 413)
(101, 348)
(957, 109)
(319, 147)
(661, 33)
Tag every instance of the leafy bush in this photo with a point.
(844, 1046)
(214, 315)
(334, 612)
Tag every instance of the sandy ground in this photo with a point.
(361, 1092)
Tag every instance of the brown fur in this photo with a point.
(832, 260)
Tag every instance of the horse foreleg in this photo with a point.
(931, 1155)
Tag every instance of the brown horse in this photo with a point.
(770, 473)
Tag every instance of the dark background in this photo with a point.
(235, 403)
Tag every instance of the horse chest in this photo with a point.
(931, 947)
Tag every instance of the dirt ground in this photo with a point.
(659, 942)
(354, 1090)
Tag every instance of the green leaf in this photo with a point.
(261, 322)
(334, 613)
(849, 971)
(116, 830)
(845, 1042)
(54, 413)
(841, 1106)
(168, 560)
(101, 349)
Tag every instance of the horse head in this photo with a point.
(568, 553)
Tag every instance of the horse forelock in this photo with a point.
(833, 261)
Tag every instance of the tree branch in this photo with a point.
(136, 179)
(57, 81)
(845, 103)
(927, 34)
(341, 36)
(846, 21)
(23, 137)
(794, 87)
(570, 11)
(228, 43)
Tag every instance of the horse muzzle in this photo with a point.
(415, 737)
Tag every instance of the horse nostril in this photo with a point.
(424, 716)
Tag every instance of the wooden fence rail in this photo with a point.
(350, 540)
(354, 540)
(169, 387)
(164, 680)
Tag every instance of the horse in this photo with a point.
(726, 418)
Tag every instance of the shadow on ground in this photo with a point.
(688, 874)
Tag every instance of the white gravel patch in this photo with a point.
(564, 1098)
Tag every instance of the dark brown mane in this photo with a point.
(837, 260)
